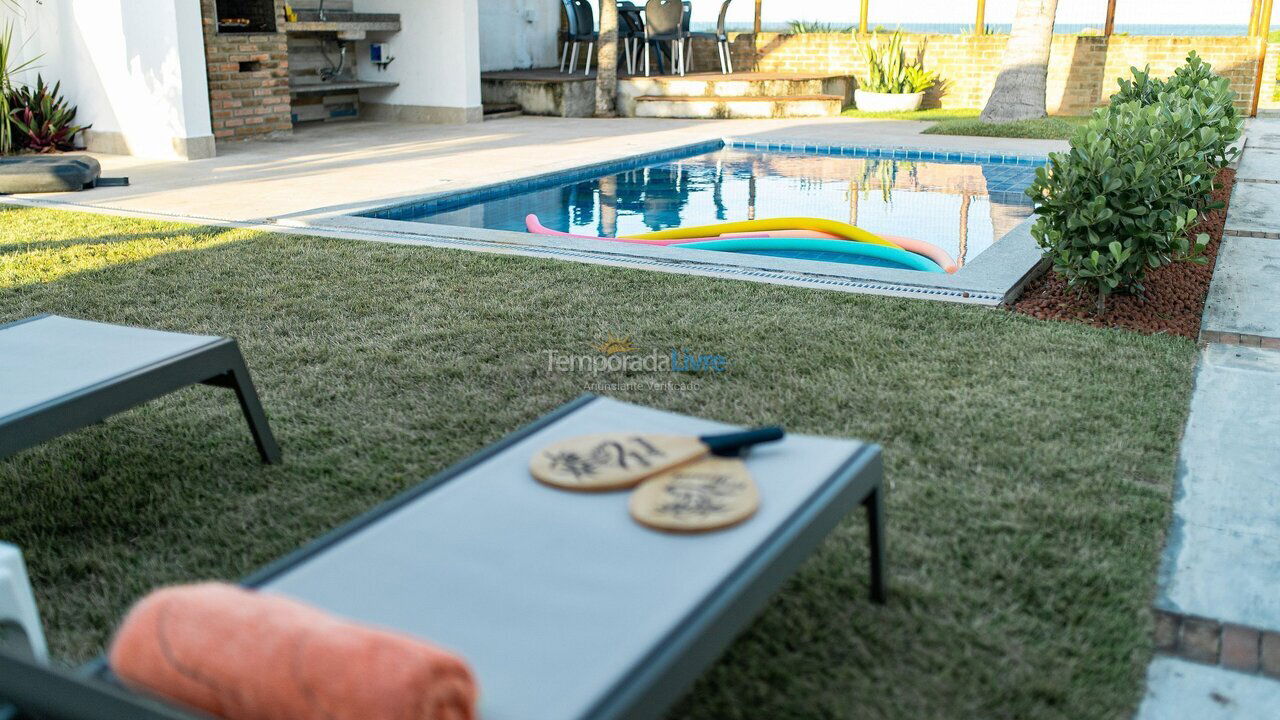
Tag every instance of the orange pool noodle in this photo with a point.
(244, 655)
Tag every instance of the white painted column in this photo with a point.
(437, 62)
(135, 69)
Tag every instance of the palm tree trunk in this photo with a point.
(607, 60)
(1019, 93)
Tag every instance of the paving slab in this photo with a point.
(1263, 133)
(1222, 555)
(1245, 294)
(1259, 164)
(1255, 208)
(1182, 689)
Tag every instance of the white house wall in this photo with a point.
(518, 34)
(437, 62)
(135, 69)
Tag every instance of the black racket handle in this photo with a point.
(732, 444)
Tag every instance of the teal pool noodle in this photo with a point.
(843, 247)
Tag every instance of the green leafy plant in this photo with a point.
(1207, 95)
(1122, 200)
(9, 68)
(801, 27)
(1125, 197)
(42, 119)
(889, 71)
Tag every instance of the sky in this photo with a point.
(890, 12)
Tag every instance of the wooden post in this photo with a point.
(862, 17)
(980, 21)
(1110, 25)
(757, 23)
(1253, 17)
(1264, 32)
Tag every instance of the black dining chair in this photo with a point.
(630, 32)
(581, 29)
(664, 22)
(720, 36)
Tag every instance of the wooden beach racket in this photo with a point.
(707, 494)
(612, 461)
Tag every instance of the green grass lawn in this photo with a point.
(1057, 127)
(1029, 464)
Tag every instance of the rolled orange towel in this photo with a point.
(245, 655)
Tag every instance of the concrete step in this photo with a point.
(1180, 689)
(728, 86)
(1244, 295)
(1221, 561)
(501, 110)
(738, 107)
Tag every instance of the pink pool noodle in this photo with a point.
(534, 226)
(244, 655)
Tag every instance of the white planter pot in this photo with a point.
(887, 102)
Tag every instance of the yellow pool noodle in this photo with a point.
(844, 230)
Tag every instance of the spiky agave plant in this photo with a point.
(9, 68)
(888, 70)
(43, 120)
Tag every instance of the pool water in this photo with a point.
(961, 207)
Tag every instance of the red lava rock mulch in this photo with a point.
(1172, 303)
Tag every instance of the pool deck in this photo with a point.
(1218, 593)
(340, 165)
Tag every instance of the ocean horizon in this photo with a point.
(1059, 28)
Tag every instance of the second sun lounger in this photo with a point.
(59, 374)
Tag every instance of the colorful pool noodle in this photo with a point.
(919, 247)
(532, 224)
(844, 247)
(844, 230)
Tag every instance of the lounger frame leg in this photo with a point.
(591, 46)
(874, 503)
(573, 57)
(564, 54)
(237, 378)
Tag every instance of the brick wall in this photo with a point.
(248, 79)
(1082, 69)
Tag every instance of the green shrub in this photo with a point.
(1121, 201)
(1125, 197)
(802, 27)
(1210, 96)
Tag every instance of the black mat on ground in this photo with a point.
(47, 173)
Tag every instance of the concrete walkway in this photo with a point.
(1218, 598)
(348, 165)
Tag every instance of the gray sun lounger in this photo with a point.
(564, 606)
(60, 374)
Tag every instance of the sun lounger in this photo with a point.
(563, 606)
(60, 374)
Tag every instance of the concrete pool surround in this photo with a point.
(992, 278)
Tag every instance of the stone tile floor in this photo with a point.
(1218, 597)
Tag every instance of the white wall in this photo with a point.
(135, 69)
(517, 34)
(437, 59)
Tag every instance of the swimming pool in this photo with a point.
(962, 203)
